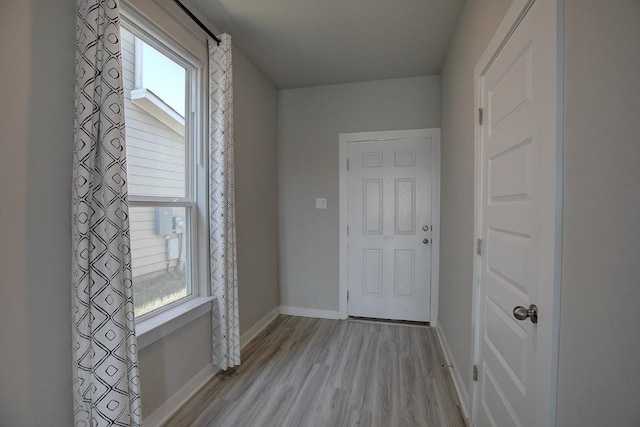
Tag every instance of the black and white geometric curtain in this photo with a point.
(222, 217)
(106, 387)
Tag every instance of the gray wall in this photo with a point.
(36, 118)
(255, 121)
(476, 26)
(309, 122)
(169, 363)
(36, 145)
(599, 335)
(15, 380)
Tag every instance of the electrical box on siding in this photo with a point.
(173, 248)
(164, 221)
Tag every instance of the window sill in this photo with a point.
(151, 330)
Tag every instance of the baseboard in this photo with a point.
(258, 327)
(168, 408)
(309, 312)
(455, 374)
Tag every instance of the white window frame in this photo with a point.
(162, 321)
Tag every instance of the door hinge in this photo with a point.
(347, 164)
(347, 230)
(475, 372)
(347, 296)
(479, 247)
(480, 116)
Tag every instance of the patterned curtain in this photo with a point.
(222, 217)
(106, 389)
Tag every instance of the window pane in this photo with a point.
(163, 77)
(160, 256)
(155, 101)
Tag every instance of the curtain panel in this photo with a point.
(106, 388)
(222, 218)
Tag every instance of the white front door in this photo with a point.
(390, 222)
(519, 225)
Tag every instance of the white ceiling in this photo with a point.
(301, 43)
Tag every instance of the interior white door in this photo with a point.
(390, 229)
(519, 224)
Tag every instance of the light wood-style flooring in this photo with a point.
(315, 372)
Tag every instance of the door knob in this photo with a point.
(425, 228)
(425, 241)
(522, 313)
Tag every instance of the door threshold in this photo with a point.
(394, 322)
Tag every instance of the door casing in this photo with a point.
(513, 17)
(389, 136)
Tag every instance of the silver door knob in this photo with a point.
(425, 241)
(522, 313)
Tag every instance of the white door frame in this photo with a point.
(390, 136)
(514, 15)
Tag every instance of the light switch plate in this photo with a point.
(321, 203)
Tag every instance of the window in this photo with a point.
(161, 86)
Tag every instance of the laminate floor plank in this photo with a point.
(412, 409)
(360, 419)
(332, 409)
(275, 411)
(362, 387)
(305, 372)
(349, 346)
(308, 397)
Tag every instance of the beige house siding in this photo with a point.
(156, 162)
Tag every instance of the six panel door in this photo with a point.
(389, 218)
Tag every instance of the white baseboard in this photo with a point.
(168, 408)
(455, 374)
(258, 327)
(309, 312)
